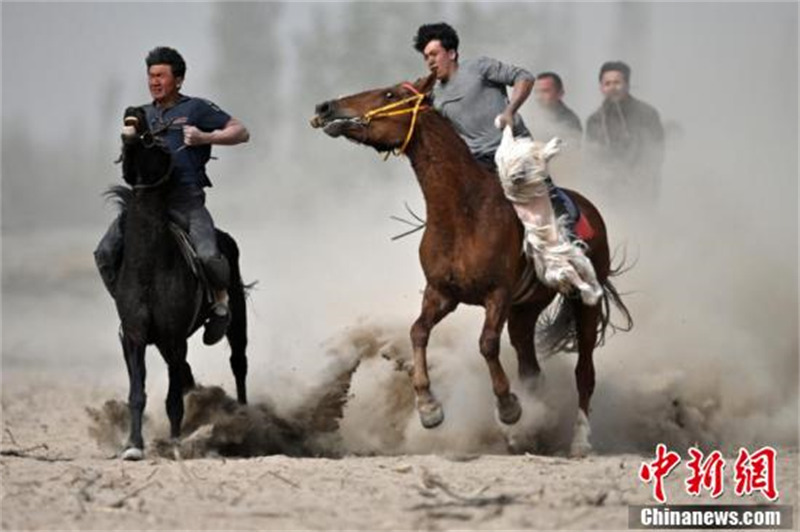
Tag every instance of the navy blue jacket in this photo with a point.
(190, 161)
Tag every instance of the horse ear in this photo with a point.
(425, 85)
(552, 148)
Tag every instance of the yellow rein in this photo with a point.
(391, 110)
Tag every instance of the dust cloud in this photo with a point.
(713, 356)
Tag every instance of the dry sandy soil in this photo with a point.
(701, 383)
(65, 481)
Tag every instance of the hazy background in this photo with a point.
(714, 293)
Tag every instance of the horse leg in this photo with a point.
(521, 329)
(435, 306)
(497, 305)
(175, 356)
(137, 398)
(587, 319)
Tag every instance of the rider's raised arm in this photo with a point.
(505, 74)
(233, 133)
(215, 126)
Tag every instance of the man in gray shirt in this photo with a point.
(472, 93)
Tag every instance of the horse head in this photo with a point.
(146, 159)
(382, 118)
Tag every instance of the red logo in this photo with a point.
(752, 472)
(705, 474)
(659, 469)
(756, 472)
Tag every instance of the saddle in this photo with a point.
(564, 206)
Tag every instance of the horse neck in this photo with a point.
(146, 224)
(452, 181)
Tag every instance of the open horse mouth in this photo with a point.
(332, 121)
(334, 127)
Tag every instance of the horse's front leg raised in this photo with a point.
(435, 306)
(137, 398)
(497, 307)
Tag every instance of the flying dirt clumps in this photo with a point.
(215, 424)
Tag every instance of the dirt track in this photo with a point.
(73, 484)
(60, 356)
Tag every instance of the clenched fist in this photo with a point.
(194, 137)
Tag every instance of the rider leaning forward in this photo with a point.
(472, 94)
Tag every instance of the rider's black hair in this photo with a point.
(616, 66)
(555, 77)
(163, 55)
(431, 32)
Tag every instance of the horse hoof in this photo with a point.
(580, 449)
(132, 454)
(508, 409)
(431, 415)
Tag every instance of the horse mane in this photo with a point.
(434, 119)
(121, 195)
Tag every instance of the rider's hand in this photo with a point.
(504, 119)
(194, 137)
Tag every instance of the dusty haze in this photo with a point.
(713, 357)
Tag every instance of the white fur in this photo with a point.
(522, 165)
(522, 168)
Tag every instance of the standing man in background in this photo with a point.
(552, 118)
(624, 139)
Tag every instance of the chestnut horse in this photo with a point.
(471, 249)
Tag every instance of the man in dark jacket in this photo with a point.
(624, 138)
(190, 127)
(550, 118)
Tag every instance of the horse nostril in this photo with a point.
(324, 108)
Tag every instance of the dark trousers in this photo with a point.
(188, 210)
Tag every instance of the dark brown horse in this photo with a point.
(471, 248)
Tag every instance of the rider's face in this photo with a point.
(440, 61)
(613, 85)
(163, 84)
(546, 92)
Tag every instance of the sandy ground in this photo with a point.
(60, 356)
(65, 481)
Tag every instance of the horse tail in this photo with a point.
(238, 291)
(557, 330)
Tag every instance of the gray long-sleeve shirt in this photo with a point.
(474, 96)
